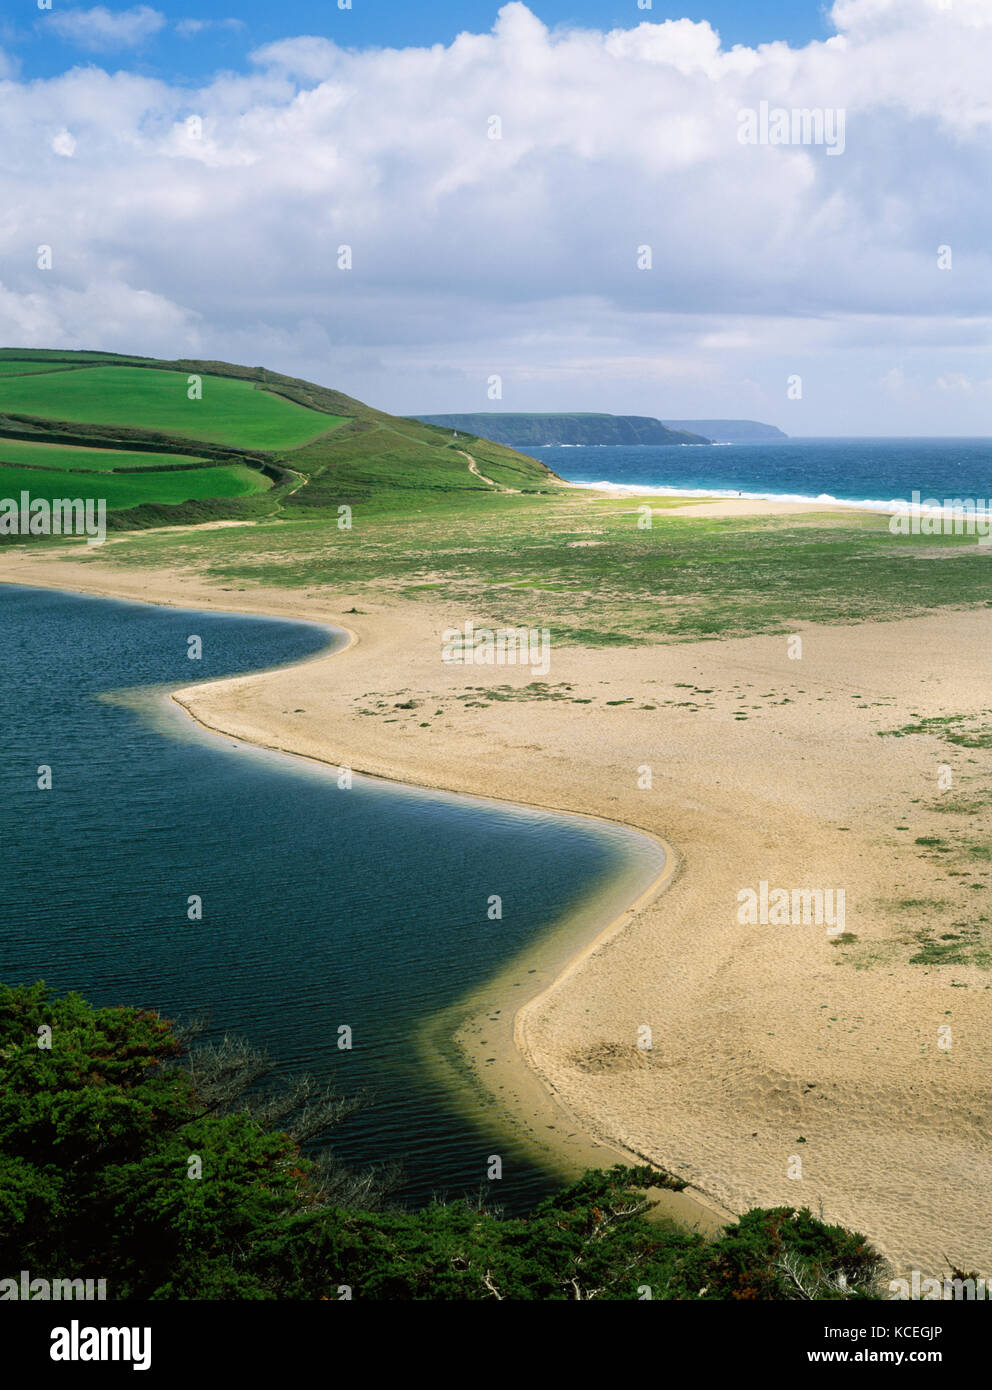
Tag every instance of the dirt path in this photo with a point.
(473, 467)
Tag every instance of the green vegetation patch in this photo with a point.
(134, 489)
(965, 946)
(230, 412)
(964, 730)
(69, 457)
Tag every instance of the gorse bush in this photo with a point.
(172, 1170)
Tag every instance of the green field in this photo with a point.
(231, 411)
(135, 489)
(68, 457)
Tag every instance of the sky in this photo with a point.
(184, 42)
(565, 205)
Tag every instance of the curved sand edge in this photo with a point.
(579, 1142)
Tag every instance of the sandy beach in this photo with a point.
(709, 507)
(786, 1067)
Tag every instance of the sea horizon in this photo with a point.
(874, 472)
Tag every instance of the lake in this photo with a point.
(321, 906)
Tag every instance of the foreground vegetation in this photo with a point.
(130, 1153)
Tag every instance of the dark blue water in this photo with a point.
(854, 470)
(321, 906)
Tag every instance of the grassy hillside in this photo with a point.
(230, 412)
(66, 416)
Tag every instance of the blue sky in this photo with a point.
(575, 208)
(231, 30)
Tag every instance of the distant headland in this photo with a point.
(533, 429)
(729, 431)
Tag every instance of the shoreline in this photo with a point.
(518, 1066)
(714, 503)
(581, 1147)
(796, 502)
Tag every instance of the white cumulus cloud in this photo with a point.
(190, 28)
(101, 30)
(64, 144)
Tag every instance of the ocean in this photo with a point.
(873, 472)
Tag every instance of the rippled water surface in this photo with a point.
(856, 470)
(321, 906)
